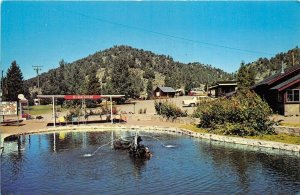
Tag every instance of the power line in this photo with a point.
(170, 36)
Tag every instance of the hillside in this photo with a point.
(264, 67)
(125, 68)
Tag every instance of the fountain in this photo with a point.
(134, 147)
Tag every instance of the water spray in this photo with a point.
(166, 146)
(92, 154)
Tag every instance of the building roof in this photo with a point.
(271, 79)
(287, 83)
(167, 89)
(227, 83)
(224, 83)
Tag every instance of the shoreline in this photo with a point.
(162, 128)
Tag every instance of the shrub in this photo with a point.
(74, 112)
(106, 110)
(243, 114)
(140, 111)
(168, 110)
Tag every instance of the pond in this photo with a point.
(59, 163)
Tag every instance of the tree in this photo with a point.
(245, 77)
(61, 77)
(93, 86)
(119, 77)
(123, 82)
(14, 83)
(149, 88)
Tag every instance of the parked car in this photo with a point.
(195, 101)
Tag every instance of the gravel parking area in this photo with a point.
(149, 105)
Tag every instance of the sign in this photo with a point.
(80, 97)
(8, 108)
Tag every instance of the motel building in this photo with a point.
(282, 91)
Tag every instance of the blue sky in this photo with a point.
(218, 33)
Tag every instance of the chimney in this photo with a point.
(282, 69)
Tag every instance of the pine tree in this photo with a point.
(124, 82)
(149, 89)
(93, 86)
(120, 77)
(61, 78)
(14, 83)
(245, 77)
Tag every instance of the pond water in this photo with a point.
(59, 163)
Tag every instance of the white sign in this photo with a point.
(8, 108)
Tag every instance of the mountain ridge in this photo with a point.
(144, 69)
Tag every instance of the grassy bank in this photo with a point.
(39, 110)
(283, 138)
(291, 124)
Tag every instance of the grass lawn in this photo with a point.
(284, 138)
(39, 110)
(291, 124)
(194, 128)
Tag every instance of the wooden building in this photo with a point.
(282, 91)
(164, 92)
(222, 88)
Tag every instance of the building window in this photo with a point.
(293, 95)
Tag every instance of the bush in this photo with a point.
(243, 114)
(106, 110)
(74, 112)
(141, 111)
(168, 110)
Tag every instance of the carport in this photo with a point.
(78, 97)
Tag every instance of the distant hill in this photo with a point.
(142, 66)
(134, 72)
(264, 67)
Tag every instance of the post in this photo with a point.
(53, 104)
(28, 116)
(111, 112)
(54, 142)
(112, 139)
(20, 104)
(18, 115)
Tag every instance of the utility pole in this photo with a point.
(37, 69)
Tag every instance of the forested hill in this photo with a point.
(125, 70)
(264, 67)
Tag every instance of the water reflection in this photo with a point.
(245, 164)
(33, 164)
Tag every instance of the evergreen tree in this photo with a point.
(245, 77)
(124, 82)
(74, 79)
(93, 86)
(61, 78)
(14, 83)
(149, 89)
